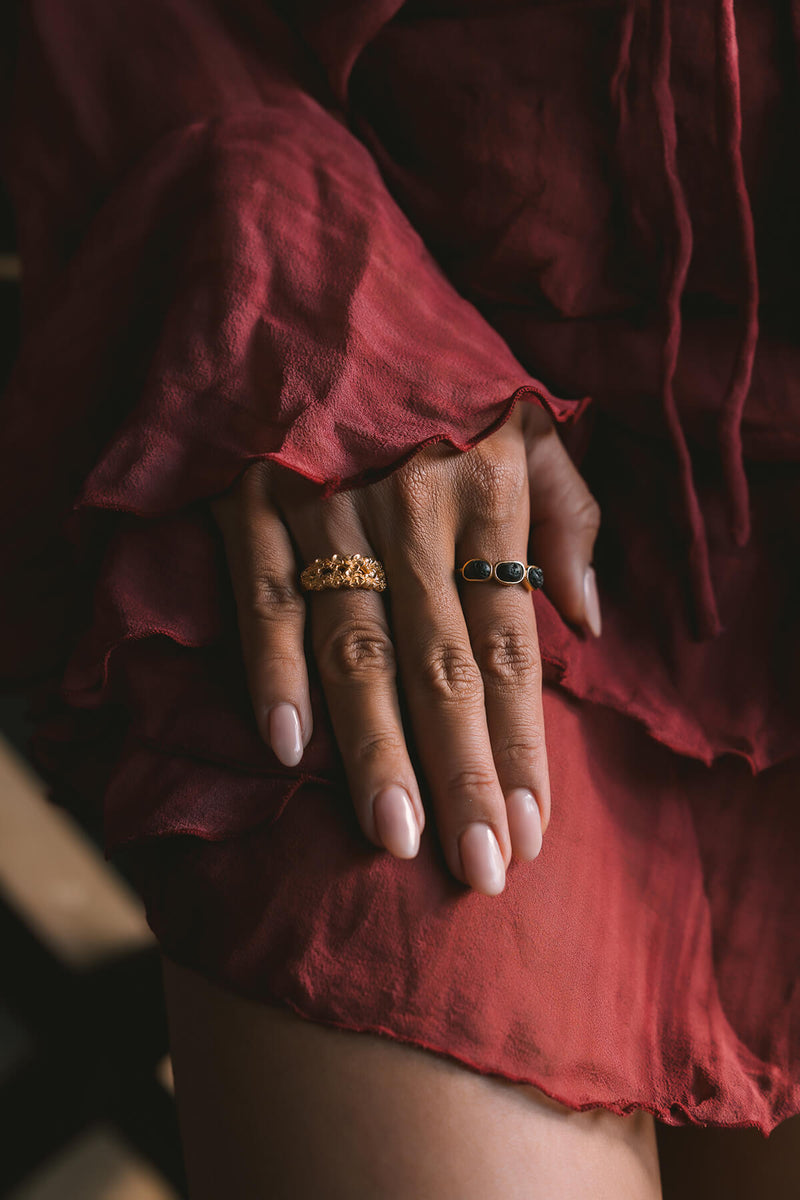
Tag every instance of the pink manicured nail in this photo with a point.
(592, 603)
(395, 822)
(481, 860)
(524, 823)
(285, 734)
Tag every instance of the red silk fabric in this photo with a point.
(328, 237)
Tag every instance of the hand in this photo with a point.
(466, 654)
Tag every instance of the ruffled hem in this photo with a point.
(584, 940)
(675, 1115)
(223, 472)
(221, 275)
(249, 290)
(214, 831)
(166, 576)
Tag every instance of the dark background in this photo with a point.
(86, 1109)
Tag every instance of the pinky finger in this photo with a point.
(271, 616)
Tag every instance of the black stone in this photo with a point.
(479, 568)
(509, 572)
(536, 577)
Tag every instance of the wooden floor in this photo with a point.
(86, 1107)
(97, 1166)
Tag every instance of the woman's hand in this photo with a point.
(466, 654)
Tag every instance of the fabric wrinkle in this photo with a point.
(699, 561)
(729, 122)
(731, 416)
(334, 286)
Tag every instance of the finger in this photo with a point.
(356, 662)
(494, 529)
(444, 692)
(270, 612)
(502, 629)
(565, 519)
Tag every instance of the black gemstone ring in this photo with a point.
(534, 579)
(509, 571)
(476, 569)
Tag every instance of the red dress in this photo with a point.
(327, 236)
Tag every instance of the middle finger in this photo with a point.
(502, 630)
(445, 696)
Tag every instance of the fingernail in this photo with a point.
(395, 822)
(481, 860)
(524, 823)
(285, 734)
(592, 603)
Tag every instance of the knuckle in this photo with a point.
(275, 599)
(506, 656)
(354, 651)
(451, 673)
(411, 492)
(378, 747)
(499, 481)
(277, 666)
(465, 785)
(521, 750)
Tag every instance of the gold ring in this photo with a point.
(508, 571)
(343, 571)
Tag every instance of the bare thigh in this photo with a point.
(273, 1107)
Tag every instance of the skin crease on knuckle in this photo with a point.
(275, 600)
(490, 483)
(450, 674)
(355, 651)
(416, 508)
(470, 782)
(520, 749)
(373, 749)
(497, 486)
(424, 495)
(506, 658)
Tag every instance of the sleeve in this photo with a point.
(213, 273)
(214, 269)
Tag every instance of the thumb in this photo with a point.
(565, 518)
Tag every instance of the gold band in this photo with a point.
(343, 571)
(508, 571)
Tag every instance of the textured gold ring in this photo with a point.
(343, 571)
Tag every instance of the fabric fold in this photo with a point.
(287, 327)
(224, 278)
(222, 266)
